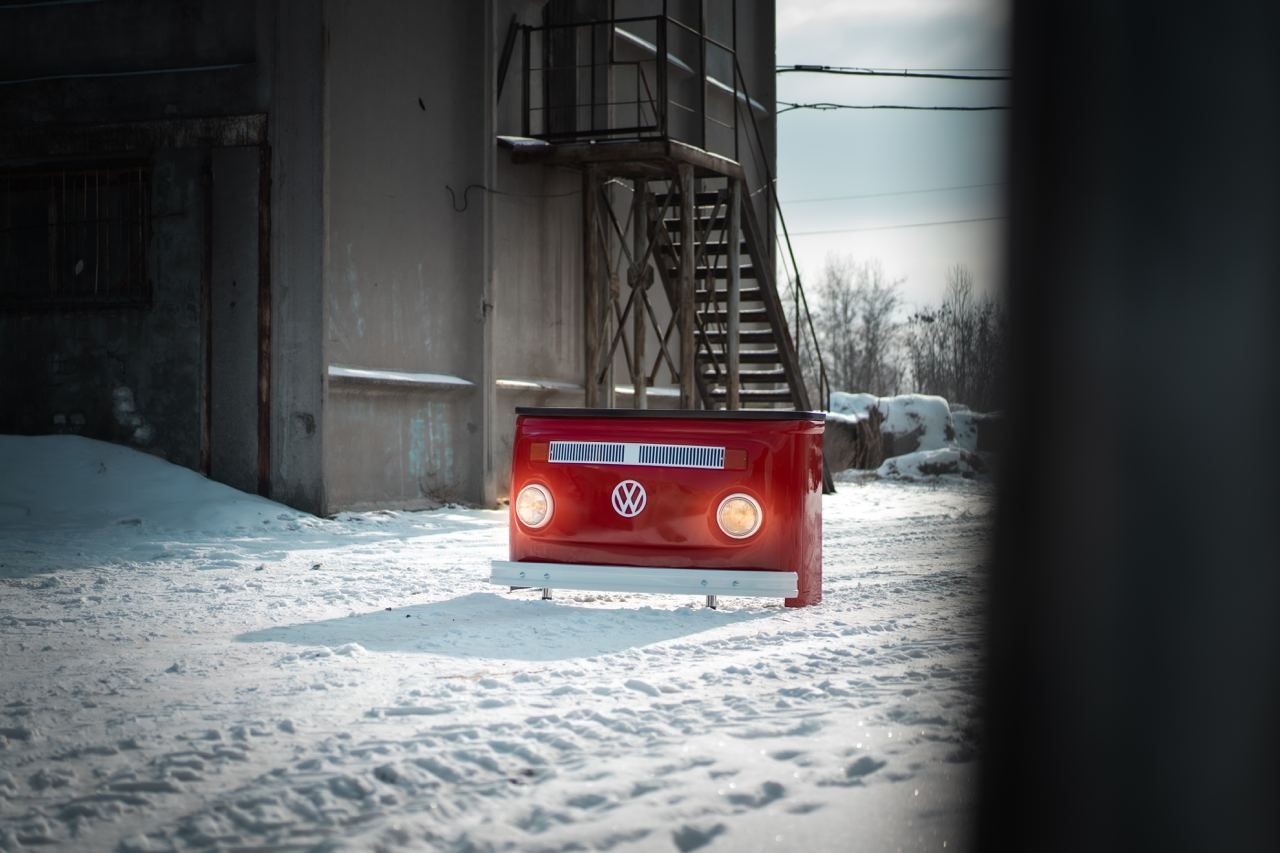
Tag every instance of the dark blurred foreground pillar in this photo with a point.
(1135, 642)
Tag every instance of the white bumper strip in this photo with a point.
(643, 579)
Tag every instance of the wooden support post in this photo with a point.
(608, 293)
(640, 284)
(688, 345)
(591, 313)
(733, 235)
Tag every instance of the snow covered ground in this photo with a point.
(185, 666)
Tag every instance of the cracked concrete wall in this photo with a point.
(296, 132)
(538, 296)
(405, 264)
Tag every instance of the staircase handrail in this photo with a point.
(802, 300)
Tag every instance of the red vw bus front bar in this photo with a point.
(715, 503)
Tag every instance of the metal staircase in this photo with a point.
(765, 364)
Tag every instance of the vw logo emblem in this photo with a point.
(629, 498)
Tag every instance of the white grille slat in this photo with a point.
(634, 453)
(608, 453)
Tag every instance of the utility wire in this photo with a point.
(896, 192)
(466, 191)
(453, 197)
(896, 227)
(927, 74)
(918, 68)
(789, 106)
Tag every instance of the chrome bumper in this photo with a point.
(760, 584)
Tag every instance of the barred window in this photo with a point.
(74, 236)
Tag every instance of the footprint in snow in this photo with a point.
(50, 778)
(641, 686)
(864, 766)
(769, 792)
(688, 837)
(586, 801)
(803, 808)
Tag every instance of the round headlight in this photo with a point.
(534, 505)
(739, 516)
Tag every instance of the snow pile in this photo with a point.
(78, 483)
(932, 463)
(845, 403)
(921, 435)
(964, 424)
(123, 506)
(851, 418)
(354, 683)
(977, 431)
(916, 421)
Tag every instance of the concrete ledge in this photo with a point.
(44, 141)
(343, 374)
(523, 384)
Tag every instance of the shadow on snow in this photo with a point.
(487, 625)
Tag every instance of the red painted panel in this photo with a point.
(677, 527)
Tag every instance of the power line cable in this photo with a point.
(925, 74)
(895, 192)
(466, 191)
(789, 106)
(918, 68)
(896, 227)
(1004, 70)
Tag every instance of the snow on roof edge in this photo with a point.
(442, 381)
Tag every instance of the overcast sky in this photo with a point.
(859, 153)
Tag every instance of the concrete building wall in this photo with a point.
(181, 57)
(357, 118)
(183, 87)
(405, 264)
(233, 306)
(132, 374)
(537, 266)
(296, 32)
(757, 38)
(538, 349)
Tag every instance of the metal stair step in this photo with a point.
(748, 315)
(699, 224)
(719, 273)
(716, 247)
(768, 356)
(751, 395)
(755, 377)
(721, 296)
(746, 336)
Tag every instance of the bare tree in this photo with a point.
(956, 349)
(858, 333)
(880, 368)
